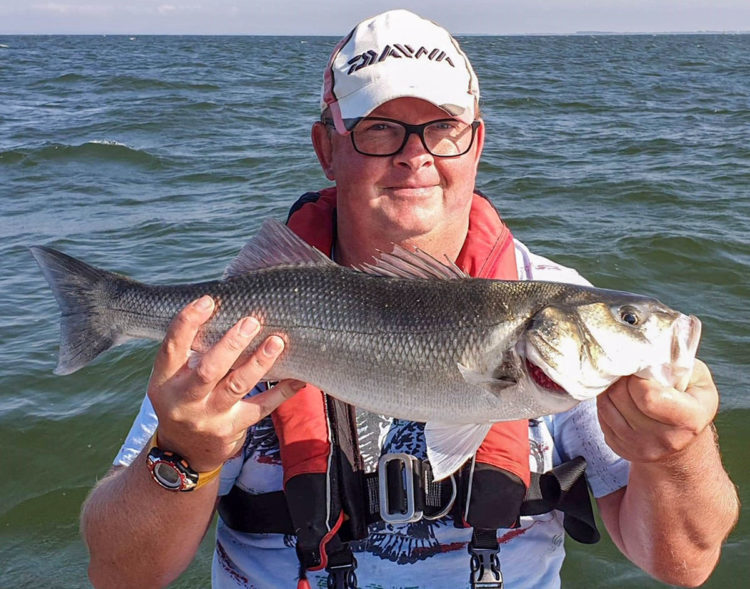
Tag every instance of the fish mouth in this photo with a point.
(686, 336)
(540, 378)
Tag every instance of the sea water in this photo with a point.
(627, 157)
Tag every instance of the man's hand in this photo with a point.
(679, 503)
(200, 401)
(645, 422)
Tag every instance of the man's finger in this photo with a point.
(612, 423)
(609, 412)
(175, 347)
(212, 367)
(255, 408)
(622, 403)
(703, 388)
(670, 407)
(701, 376)
(244, 377)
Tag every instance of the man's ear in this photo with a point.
(479, 142)
(321, 140)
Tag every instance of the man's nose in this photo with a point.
(414, 152)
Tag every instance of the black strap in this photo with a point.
(341, 569)
(267, 513)
(485, 563)
(490, 497)
(563, 488)
(350, 469)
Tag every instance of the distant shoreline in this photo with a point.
(575, 34)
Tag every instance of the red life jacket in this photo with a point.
(301, 423)
(326, 493)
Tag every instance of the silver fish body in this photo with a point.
(457, 350)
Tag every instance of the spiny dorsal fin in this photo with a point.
(402, 263)
(275, 245)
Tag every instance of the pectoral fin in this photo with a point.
(450, 445)
(488, 382)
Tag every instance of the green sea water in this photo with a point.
(627, 157)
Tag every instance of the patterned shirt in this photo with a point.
(425, 554)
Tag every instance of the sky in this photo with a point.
(337, 17)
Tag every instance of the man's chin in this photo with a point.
(409, 223)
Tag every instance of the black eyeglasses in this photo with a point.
(382, 137)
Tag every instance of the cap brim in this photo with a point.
(350, 109)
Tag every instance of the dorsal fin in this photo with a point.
(275, 245)
(402, 263)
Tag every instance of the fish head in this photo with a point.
(581, 349)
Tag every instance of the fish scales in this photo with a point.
(388, 332)
(410, 337)
(398, 340)
(447, 347)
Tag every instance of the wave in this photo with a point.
(65, 78)
(69, 79)
(96, 149)
(11, 156)
(519, 102)
(126, 82)
(654, 146)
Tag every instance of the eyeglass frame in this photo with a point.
(417, 130)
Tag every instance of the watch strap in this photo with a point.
(191, 479)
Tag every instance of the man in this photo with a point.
(653, 461)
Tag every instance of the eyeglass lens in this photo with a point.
(443, 138)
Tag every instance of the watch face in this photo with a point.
(168, 475)
(171, 471)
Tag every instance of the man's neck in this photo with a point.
(354, 247)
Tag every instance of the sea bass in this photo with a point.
(408, 336)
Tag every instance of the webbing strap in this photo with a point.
(563, 488)
(485, 563)
(341, 569)
(268, 513)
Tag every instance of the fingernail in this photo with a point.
(204, 303)
(273, 346)
(249, 327)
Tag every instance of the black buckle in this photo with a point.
(342, 576)
(485, 568)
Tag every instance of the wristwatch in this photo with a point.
(173, 472)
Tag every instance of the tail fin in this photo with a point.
(83, 293)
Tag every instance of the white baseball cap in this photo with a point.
(397, 54)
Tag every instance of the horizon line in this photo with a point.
(542, 34)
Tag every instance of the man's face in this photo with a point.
(407, 195)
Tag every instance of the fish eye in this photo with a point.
(629, 315)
